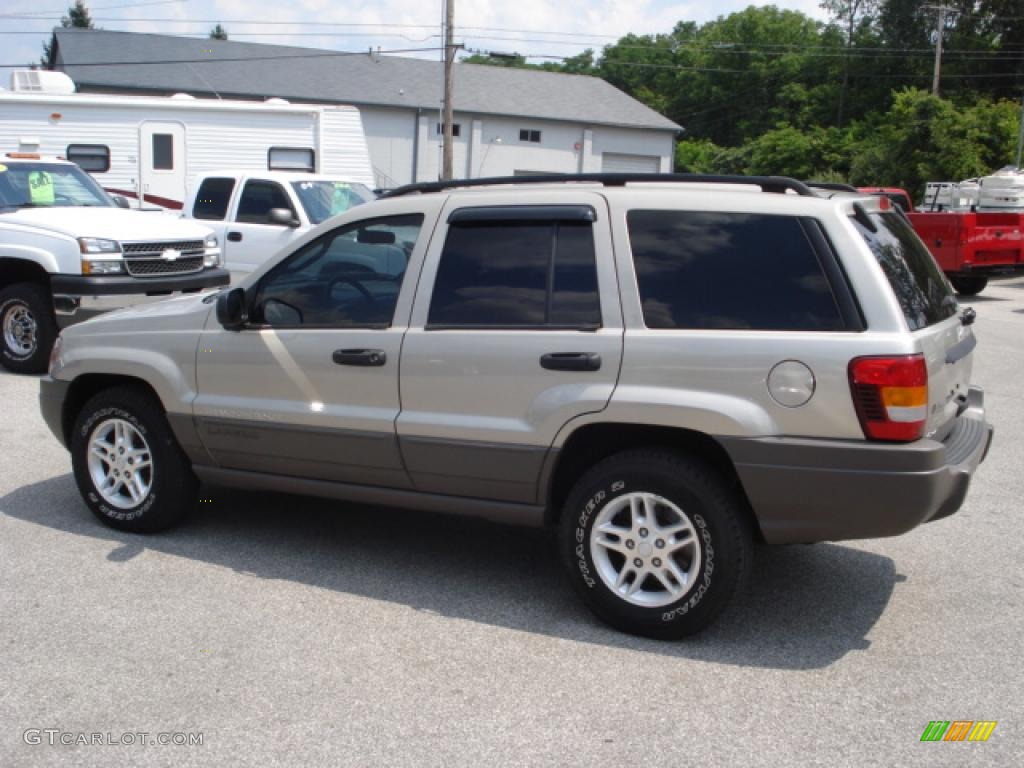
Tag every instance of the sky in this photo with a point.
(541, 27)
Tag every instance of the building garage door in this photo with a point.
(612, 162)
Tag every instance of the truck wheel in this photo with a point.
(656, 543)
(128, 465)
(29, 328)
(969, 286)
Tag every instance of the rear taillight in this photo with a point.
(891, 396)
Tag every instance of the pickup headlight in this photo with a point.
(98, 245)
(212, 255)
(102, 267)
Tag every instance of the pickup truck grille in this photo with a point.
(146, 259)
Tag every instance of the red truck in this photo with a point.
(969, 246)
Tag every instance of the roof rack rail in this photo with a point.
(774, 184)
(832, 186)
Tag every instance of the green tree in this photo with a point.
(78, 16)
(218, 33)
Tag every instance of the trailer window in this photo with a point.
(94, 158)
(291, 159)
(163, 152)
(212, 199)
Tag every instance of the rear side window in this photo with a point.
(922, 290)
(213, 198)
(742, 271)
(508, 273)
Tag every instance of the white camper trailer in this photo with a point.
(150, 149)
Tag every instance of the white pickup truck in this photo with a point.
(256, 214)
(68, 250)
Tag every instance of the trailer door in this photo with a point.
(162, 165)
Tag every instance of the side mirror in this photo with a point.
(121, 202)
(231, 310)
(282, 217)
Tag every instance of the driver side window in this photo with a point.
(347, 278)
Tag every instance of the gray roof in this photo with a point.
(129, 61)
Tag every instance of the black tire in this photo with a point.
(969, 286)
(717, 521)
(173, 487)
(19, 303)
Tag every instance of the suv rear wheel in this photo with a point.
(655, 542)
(28, 328)
(128, 465)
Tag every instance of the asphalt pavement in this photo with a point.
(284, 631)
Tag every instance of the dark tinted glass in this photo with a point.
(729, 271)
(348, 278)
(920, 287)
(163, 152)
(574, 300)
(94, 158)
(258, 198)
(497, 274)
(213, 198)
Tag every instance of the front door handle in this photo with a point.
(571, 361)
(362, 357)
(235, 237)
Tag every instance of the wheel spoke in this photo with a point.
(100, 452)
(633, 587)
(626, 570)
(129, 485)
(676, 545)
(613, 545)
(636, 516)
(665, 581)
(680, 577)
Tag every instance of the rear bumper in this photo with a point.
(805, 490)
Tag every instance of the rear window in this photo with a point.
(922, 290)
(741, 271)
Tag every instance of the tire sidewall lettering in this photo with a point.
(93, 497)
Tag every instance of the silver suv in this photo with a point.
(666, 368)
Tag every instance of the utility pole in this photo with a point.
(449, 62)
(942, 9)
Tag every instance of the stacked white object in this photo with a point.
(1002, 191)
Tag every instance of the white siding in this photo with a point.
(616, 162)
(343, 146)
(390, 136)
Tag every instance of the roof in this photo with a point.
(130, 61)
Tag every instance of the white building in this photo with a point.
(508, 121)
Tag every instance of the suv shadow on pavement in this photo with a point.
(805, 607)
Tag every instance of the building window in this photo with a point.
(456, 129)
(94, 158)
(291, 159)
(163, 152)
(531, 136)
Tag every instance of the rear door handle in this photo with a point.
(571, 361)
(362, 357)
(235, 237)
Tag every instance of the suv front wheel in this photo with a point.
(655, 542)
(128, 465)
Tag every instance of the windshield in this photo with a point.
(920, 287)
(48, 185)
(323, 199)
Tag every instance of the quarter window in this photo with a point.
(499, 274)
(94, 158)
(348, 278)
(213, 198)
(744, 271)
